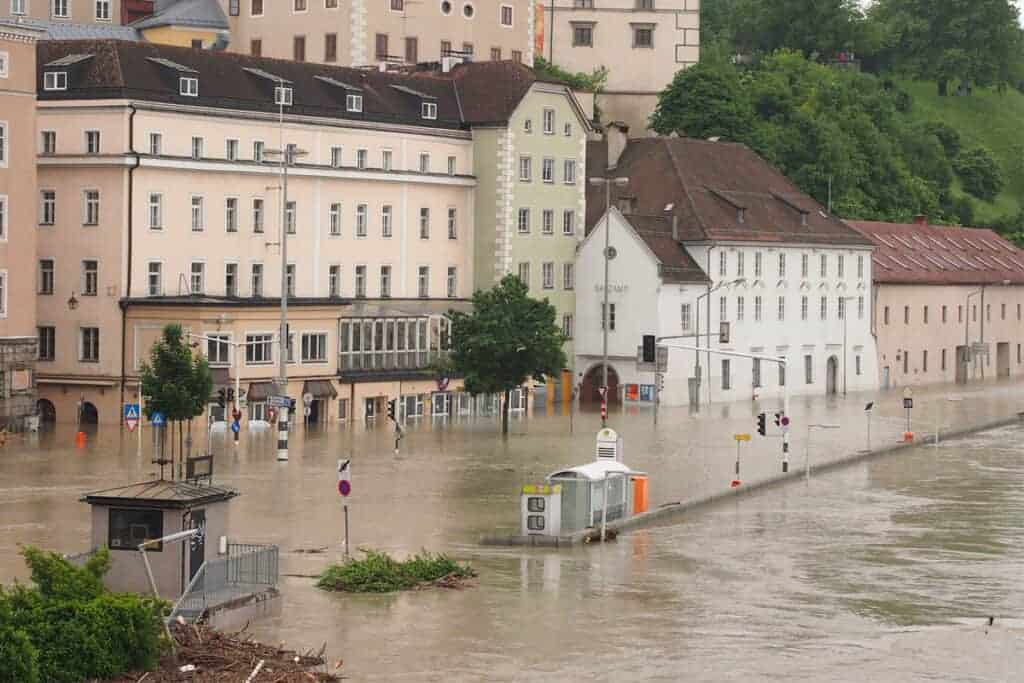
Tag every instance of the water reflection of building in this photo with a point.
(18, 346)
(947, 304)
(158, 205)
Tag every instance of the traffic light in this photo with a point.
(762, 424)
(222, 397)
(231, 395)
(392, 406)
(648, 348)
(778, 419)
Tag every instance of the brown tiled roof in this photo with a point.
(677, 266)
(721, 191)
(479, 93)
(924, 254)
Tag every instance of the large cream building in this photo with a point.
(17, 225)
(159, 201)
(643, 43)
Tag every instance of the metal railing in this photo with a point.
(248, 568)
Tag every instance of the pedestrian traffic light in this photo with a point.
(222, 397)
(762, 424)
(392, 406)
(648, 348)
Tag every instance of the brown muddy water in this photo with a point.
(885, 570)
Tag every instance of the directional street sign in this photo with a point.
(131, 416)
(279, 402)
(157, 419)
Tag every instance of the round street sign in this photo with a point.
(344, 487)
(611, 253)
(307, 398)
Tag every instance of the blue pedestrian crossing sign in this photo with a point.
(157, 419)
(131, 416)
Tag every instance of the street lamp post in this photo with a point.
(288, 154)
(605, 318)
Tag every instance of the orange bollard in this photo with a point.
(908, 437)
(80, 439)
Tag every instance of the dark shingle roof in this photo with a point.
(677, 266)
(720, 191)
(923, 254)
(162, 493)
(481, 93)
(62, 30)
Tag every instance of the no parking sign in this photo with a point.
(345, 478)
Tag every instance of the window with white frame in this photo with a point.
(259, 349)
(782, 265)
(360, 288)
(547, 223)
(47, 340)
(808, 369)
(569, 276)
(353, 102)
(782, 308)
(92, 142)
(197, 147)
(188, 86)
(197, 277)
(386, 217)
(198, 214)
(525, 169)
(756, 373)
(47, 207)
(424, 162)
(49, 142)
(361, 159)
(722, 262)
(423, 282)
(90, 277)
(89, 345)
(231, 149)
(524, 273)
(256, 279)
(451, 165)
(428, 110)
(804, 307)
(528, 126)
(60, 9)
(231, 214)
(740, 264)
(824, 265)
(568, 325)
(841, 309)
(804, 265)
(334, 281)
(155, 278)
(361, 213)
(453, 223)
(569, 171)
(824, 308)
(386, 157)
(102, 10)
(452, 282)
(19, 6)
(547, 271)
(840, 266)
(3, 217)
(860, 267)
(3, 144)
(385, 282)
(685, 316)
(290, 279)
(334, 220)
(55, 80)
(289, 217)
(523, 222)
(860, 309)
(757, 309)
(91, 207)
(610, 316)
(282, 95)
(156, 211)
(46, 276)
(757, 264)
(218, 349)
(3, 293)
(723, 308)
(257, 151)
(548, 170)
(726, 374)
(336, 157)
(257, 215)
(568, 222)
(506, 15)
(230, 279)
(314, 347)
(424, 223)
(549, 121)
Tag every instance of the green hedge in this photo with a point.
(379, 573)
(69, 628)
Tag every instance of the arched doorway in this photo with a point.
(832, 376)
(590, 393)
(47, 411)
(89, 414)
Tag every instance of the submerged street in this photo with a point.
(890, 565)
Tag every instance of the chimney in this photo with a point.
(617, 136)
(921, 219)
(675, 227)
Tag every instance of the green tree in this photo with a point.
(975, 42)
(979, 172)
(507, 339)
(175, 382)
(703, 101)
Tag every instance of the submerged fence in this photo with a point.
(246, 569)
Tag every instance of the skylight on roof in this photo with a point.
(67, 60)
(260, 73)
(338, 84)
(414, 93)
(174, 66)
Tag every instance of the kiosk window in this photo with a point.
(535, 522)
(129, 528)
(534, 504)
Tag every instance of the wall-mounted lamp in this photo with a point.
(72, 302)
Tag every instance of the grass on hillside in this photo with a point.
(989, 118)
(379, 573)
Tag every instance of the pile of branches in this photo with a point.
(203, 655)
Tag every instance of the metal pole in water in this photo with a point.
(604, 507)
(346, 532)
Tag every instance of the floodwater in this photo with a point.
(884, 570)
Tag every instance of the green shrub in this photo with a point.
(69, 628)
(979, 172)
(379, 573)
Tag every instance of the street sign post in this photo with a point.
(131, 416)
(157, 419)
(345, 490)
(279, 401)
(908, 405)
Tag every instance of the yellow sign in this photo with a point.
(741, 437)
(542, 489)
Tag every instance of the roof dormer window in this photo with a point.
(283, 95)
(428, 110)
(55, 80)
(188, 86)
(354, 103)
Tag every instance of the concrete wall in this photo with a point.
(910, 350)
